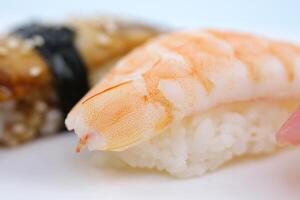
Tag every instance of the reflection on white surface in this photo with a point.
(50, 168)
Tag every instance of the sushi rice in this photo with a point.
(202, 143)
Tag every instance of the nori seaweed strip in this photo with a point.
(61, 55)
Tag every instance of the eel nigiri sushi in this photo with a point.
(187, 102)
(45, 69)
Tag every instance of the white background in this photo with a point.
(279, 17)
(49, 168)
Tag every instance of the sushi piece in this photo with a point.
(187, 102)
(289, 133)
(45, 69)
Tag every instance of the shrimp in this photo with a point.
(200, 58)
(187, 102)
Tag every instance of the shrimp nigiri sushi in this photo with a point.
(189, 101)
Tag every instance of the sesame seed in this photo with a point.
(40, 106)
(34, 42)
(110, 27)
(35, 71)
(12, 43)
(103, 39)
(38, 40)
(18, 128)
